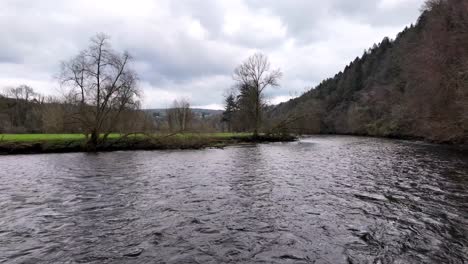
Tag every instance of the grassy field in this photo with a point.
(42, 137)
(70, 137)
(60, 143)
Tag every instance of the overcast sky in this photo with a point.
(189, 48)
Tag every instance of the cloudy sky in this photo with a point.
(189, 48)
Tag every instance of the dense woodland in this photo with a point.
(414, 86)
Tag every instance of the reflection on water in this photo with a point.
(320, 200)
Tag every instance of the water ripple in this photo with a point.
(320, 200)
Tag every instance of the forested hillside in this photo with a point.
(414, 86)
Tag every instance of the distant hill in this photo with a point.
(197, 111)
(414, 86)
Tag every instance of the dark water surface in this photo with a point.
(320, 200)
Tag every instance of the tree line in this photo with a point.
(102, 96)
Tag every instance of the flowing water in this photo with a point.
(324, 199)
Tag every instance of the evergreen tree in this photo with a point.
(230, 109)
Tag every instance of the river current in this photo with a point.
(323, 199)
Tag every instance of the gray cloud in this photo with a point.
(189, 47)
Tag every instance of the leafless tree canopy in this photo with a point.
(179, 116)
(256, 72)
(101, 85)
(252, 77)
(22, 92)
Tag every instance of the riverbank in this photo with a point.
(455, 145)
(457, 142)
(63, 143)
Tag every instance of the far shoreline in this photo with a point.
(190, 142)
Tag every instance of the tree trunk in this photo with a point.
(257, 115)
(183, 120)
(93, 141)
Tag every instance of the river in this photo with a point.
(324, 199)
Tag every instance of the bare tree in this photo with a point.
(19, 106)
(253, 76)
(101, 86)
(52, 114)
(179, 116)
(22, 92)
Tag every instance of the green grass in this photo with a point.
(71, 137)
(60, 143)
(44, 137)
(39, 137)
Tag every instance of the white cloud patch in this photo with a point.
(392, 4)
